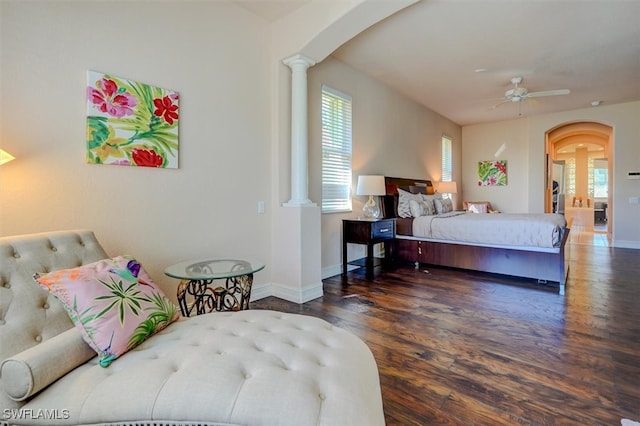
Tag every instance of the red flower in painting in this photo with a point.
(500, 166)
(108, 98)
(146, 158)
(165, 108)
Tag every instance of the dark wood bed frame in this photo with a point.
(540, 265)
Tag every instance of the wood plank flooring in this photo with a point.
(464, 348)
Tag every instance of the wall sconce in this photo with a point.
(448, 188)
(5, 157)
(370, 185)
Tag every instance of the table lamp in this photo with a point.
(448, 188)
(5, 157)
(370, 185)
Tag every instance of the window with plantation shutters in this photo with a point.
(447, 159)
(336, 151)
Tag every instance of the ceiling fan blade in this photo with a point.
(548, 93)
(499, 104)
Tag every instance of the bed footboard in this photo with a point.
(543, 266)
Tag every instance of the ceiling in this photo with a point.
(589, 146)
(272, 10)
(457, 57)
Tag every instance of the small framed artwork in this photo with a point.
(492, 173)
(131, 123)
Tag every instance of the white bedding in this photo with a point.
(506, 229)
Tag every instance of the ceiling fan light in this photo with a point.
(516, 95)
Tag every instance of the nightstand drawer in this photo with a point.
(382, 229)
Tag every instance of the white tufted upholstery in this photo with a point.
(247, 368)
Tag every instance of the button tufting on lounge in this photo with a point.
(252, 375)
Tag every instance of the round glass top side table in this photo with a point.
(197, 293)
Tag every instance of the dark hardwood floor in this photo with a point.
(463, 348)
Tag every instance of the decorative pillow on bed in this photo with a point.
(422, 208)
(444, 205)
(113, 302)
(478, 206)
(404, 209)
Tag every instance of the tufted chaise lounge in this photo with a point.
(243, 368)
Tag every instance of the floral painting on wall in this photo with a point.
(492, 173)
(131, 123)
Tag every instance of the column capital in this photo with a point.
(299, 59)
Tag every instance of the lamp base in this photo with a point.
(370, 210)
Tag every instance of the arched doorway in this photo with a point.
(579, 167)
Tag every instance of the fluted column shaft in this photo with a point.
(299, 131)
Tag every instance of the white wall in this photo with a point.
(526, 137)
(392, 136)
(480, 143)
(215, 54)
(625, 120)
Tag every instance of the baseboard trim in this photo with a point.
(260, 291)
(332, 271)
(282, 292)
(626, 244)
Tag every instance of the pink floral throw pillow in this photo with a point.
(113, 302)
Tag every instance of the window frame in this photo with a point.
(446, 160)
(337, 152)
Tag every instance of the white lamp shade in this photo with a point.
(5, 157)
(370, 185)
(448, 188)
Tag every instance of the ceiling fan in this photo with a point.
(519, 94)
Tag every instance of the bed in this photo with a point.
(537, 252)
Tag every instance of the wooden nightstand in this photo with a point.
(368, 232)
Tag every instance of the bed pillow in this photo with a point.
(422, 208)
(404, 209)
(113, 302)
(478, 206)
(444, 205)
(32, 370)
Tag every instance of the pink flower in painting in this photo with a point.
(165, 108)
(108, 98)
(491, 181)
(146, 158)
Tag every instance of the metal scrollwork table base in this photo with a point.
(197, 293)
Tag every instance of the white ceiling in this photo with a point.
(431, 50)
(272, 10)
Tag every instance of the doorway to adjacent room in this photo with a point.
(578, 169)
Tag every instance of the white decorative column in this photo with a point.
(297, 229)
(299, 131)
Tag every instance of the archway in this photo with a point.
(580, 162)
